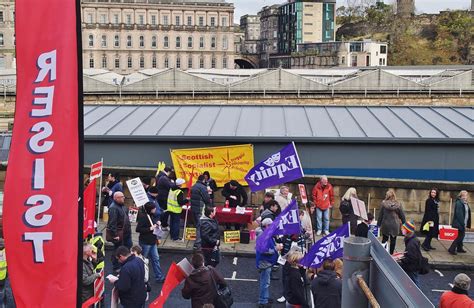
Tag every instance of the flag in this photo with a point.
(89, 209)
(280, 167)
(288, 222)
(330, 246)
(160, 167)
(42, 215)
(173, 278)
(190, 184)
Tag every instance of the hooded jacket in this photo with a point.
(131, 283)
(323, 197)
(327, 290)
(412, 257)
(390, 214)
(200, 288)
(199, 197)
(209, 232)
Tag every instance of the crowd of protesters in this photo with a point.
(324, 285)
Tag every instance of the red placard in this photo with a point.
(42, 187)
(304, 197)
(447, 233)
(96, 170)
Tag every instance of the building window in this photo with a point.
(116, 19)
(178, 62)
(2, 42)
(91, 40)
(91, 63)
(178, 42)
(142, 62)
(129, 41)
(213, 42)
(224, 62)
(104, 61)
(177, 21)
(153, 19)
(213, 21)
(103, 18)
(190, 21)
(224, 22)
(1, 16)
(383, 49)
(354, 60)
(129, 19)
(153, 41)
(89, 18)
(190, 42)
(116, 40)
(166, 42)
(343, 60)
(201, 62)
(201, 21)
(117, 63)
(165, 20)
(167, 63)
(190, 62)
(153, 62)
(224, 42)
(141, 19)
(142, 41)
(129, 62)
(103, 41)
(201, 42)
(213, 62)
(380, 61)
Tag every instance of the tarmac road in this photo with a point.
(242, 276)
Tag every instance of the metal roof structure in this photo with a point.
(260, 123)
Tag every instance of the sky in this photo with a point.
(243, 7)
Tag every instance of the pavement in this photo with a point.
(439, 258)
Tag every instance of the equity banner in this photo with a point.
(42, 214)
(223, 163)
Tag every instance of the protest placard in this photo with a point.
(232, 237)
(137, 191)
(190, 234)
(359, 208)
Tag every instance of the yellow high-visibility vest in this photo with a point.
(173, 205)
(3, 265)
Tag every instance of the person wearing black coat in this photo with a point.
(236, 195)
(295, 289)
(211, 185)
(199, 200)
(431, 215)
(131, 281)
(347, 211)
(164, 184)
(327, 287)
(411, 260)
(210, 237)
(119, 222)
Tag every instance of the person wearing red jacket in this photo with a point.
(323, 197)
(458, 296)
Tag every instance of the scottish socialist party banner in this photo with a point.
(288, 222)
(223, 163)
(330, 246)
(282, 166)
(41, 211)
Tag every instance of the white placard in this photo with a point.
(240, 210)
(137, 191)
(359, 208)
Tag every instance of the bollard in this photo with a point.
(356, 264)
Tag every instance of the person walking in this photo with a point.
(347, 211)
(199, 285)
(411, 260)
(210, 237)
(88, 273)
(430, 217)
(461, 221)
(458, 297)
(323, 197)
(199, 200)
(118, 225)
(211, 185)
(176, 200)
(296, 282)
(164, 183)
(235, 194)
(390, 215)
(131, 281)
(147, 238)
(327, 287)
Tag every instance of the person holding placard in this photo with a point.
(346, 209)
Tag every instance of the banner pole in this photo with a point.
(186, 221)
(100, 190)
(309, 213)
(450, 208)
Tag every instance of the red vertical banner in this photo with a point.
(90, 197)
(42, 214)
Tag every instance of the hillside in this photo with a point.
(446, 38)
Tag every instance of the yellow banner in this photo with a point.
(223, 163)
(231, 237)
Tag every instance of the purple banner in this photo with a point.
(281, 167)
(330, 246)
(288, 222)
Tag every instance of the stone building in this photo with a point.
(7, 34)
(250, 25)
(268, 43)
(129, 35)
(406, 8)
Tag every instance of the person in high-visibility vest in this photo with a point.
(176, 200)
(99, 247)
(3, 274)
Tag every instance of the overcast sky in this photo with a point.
(243, 7)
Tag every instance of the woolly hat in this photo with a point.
(409, 226)
(462, 281)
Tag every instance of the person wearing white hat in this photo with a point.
(176, 200)
(458, 296)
